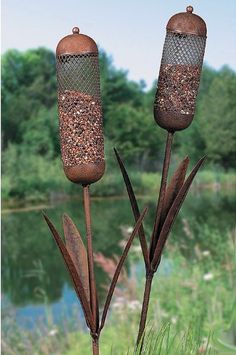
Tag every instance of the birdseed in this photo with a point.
(177, 88)
(81, 131)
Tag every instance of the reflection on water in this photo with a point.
(31, 315)
(33, 273)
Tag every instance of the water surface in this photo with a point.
(34, 277)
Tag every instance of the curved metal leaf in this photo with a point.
(119, 266)
(77, 251)
(174, 186)
(135, 208)
(161, 196)
(171, 192)
(74, 275)
(173, 213)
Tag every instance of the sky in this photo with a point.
(131, 31)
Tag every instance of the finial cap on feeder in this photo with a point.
(76, 43)
(75, 30)
(189, 9)
(187, 23)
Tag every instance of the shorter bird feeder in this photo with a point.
(180, 71)
(80, 109)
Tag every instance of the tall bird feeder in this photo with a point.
(174, 107)
(82, 150)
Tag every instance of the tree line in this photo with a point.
(30, 143)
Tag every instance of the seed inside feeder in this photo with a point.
(177, 88)
(80, 128)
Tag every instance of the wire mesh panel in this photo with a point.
(80, 111)
(79, 73)
(183, 49)
(180, 73)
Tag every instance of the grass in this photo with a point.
(40, 188)
(191, 310)
(58, 341)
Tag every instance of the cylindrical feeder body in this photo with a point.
(80, 109)
(180, 71)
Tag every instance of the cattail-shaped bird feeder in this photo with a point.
(174, 108)
(81, 136)
(180, 71)
(80, 110)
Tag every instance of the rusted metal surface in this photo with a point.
(77, 251)
(76, 43)
(161, 197)
(95, 345)
(174, 186)
(172, 213)
(84, 173)
(146, 297)
(92, 283)
(135, 209)
(172, 121)
(78, 285)
(188, 23)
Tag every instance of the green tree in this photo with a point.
(116, 88)
(28, 83)
(135, 134)
(40, 135)
(30, 121)
(217, 113)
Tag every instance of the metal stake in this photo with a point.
(92, 282)
(146, 298)
(95, 346)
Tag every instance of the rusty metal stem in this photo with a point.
(92, 284)
(161, 198)
(146, 298)
(95, 346)
(149, 276)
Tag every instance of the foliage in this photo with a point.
(30, 178)
(219, 108)
(30, 123)
(28, 84)
(34, 180)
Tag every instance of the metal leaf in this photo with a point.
(174, 186)
(173, 213)
(171, 192)
(119, 267)
(74, 275)
(161, 196)
(77, 251)
(135, 208)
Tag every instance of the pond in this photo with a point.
(34, 277)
